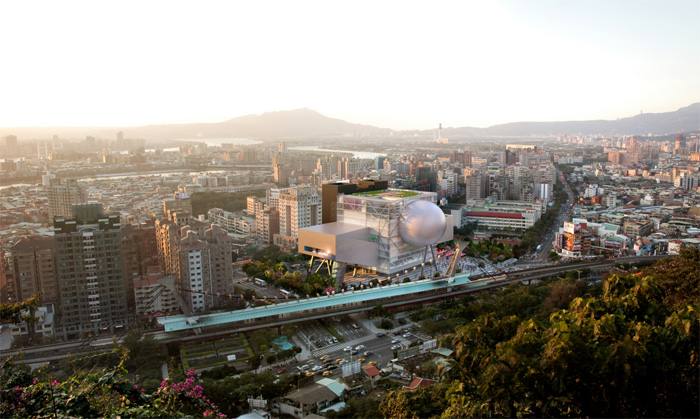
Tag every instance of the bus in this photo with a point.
(260, 282)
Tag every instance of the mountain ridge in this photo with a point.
(308, 123)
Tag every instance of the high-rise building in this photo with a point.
(199, 258)
(448, 182)
(379, 162)
(139, 254)
(426, 179)
(475, 184)
(89, 269)
(267, 224)
(7, 285)
(298, 207)
(62, 197)
(679, 144)
(31, 264)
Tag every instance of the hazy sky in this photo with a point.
(396, 64)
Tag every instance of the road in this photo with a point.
(564, 213)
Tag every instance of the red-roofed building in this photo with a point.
(372, 372)
(418, 382)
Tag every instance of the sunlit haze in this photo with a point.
(391, 64)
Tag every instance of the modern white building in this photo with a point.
(367, 232)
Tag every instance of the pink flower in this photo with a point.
(55, 382)
(208, 413)
(35, 380)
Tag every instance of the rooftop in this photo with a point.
(388, 194)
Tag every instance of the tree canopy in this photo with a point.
(630, 349)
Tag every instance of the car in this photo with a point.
(366, 353)
(360, 347)
(395, 347)
(394, 341)
(324, 357)
(347, 349)
(317, 368)
(327, 373)
(310, 373)
(406, 335)
(380, 334)
(354, 352)
(362, 359)
(338, 360)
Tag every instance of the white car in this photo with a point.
(347, 349)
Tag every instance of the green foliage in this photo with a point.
(229, 201)
(493, 250)
(269, 264)
(101, 393)
(629, 350)
(11, 312)
(467, 230)
(231, 393)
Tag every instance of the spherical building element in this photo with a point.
(422, 223)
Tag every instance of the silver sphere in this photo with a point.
(422, 223)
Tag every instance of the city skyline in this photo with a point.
(472, 64)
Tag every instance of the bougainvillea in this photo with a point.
(105, 393)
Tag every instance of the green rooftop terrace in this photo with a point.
(388, 193)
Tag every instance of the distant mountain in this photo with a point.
(306, 123)
(298, 123)
(683, 120)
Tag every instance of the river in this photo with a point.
(355, 154)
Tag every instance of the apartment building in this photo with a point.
(62, 196)
(89, 269)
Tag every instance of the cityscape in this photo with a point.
(297, 264)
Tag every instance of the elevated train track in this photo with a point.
(401, 295)
(419, 292)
